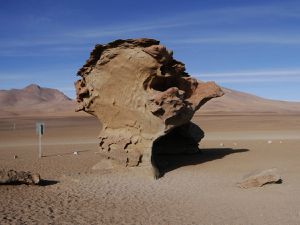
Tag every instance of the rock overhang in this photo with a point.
(140, 93)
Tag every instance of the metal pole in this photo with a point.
(40, 145)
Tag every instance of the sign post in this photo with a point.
(40, 129)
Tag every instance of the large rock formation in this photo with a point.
(144, 100)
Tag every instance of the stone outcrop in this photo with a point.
(258, 179)
(18, 177)
(142, 96)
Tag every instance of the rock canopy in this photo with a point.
(144, 99)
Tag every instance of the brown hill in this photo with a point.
(240, 102)
(35, 100)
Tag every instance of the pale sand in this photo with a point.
(198, 189)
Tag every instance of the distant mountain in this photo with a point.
(240, 102)
(34, 100)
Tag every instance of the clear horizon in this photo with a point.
(251, 47)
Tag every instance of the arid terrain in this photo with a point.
(197, 189)
(243, 133)
(35, 100)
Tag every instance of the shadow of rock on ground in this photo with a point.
(169, 162)
(44, 183)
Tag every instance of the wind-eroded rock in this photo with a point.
(18, 177)
(258, 179)
(140, 93)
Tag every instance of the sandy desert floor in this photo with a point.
(197, 189)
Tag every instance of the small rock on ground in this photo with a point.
(261, 178)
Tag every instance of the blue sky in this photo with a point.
(251, 46)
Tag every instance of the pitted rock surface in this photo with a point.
(140, 93)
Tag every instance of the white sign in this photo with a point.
(40, 129)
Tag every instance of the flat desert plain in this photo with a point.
(85, 188)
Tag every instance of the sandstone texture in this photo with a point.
(18, 177)
(258, 179)
(144, 99)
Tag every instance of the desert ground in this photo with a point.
(196, 189)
